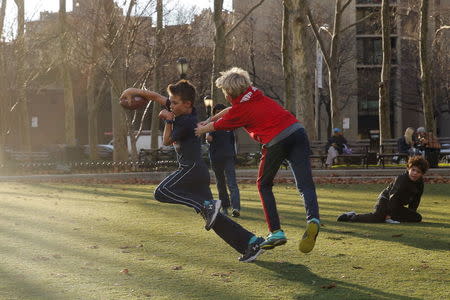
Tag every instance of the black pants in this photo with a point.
(189, 185)
(295, 149)
(432, 156)
(402, 214)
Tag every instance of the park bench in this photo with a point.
(360, 153)
(444, 156)
(389, 151)
(318, 151)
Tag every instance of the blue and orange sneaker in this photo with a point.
(274, 239)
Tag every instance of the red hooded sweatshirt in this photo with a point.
(261, 117)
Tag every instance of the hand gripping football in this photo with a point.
(135, 102)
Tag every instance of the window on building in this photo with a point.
(372, 23)
(369, 51)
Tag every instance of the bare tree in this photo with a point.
(425, 76)
(331, 54)
(295, 63)
(157, 73)
(69, 107)
(384, 86)
(220, 39)
(4, 115)
(21, 82)
(116, 47)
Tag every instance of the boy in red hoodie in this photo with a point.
(283, 138)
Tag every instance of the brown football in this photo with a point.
(135, 102)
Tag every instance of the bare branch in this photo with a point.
(345, 5)
(357, 22)
(243, 18)
(325, 52)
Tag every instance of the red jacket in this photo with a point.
(261, 117)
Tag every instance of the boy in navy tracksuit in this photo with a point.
(283, 137)
(222, 154)
(189, 185)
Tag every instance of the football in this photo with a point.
(135, 102)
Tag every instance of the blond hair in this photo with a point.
(233, 82)
(409, 132)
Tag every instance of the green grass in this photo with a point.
(71, 242)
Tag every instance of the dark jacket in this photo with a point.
(401, 192)
(402, 145)
(222, 145)
(339, 140)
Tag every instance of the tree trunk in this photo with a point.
(2, 16)
(427, 100)
(384, 109)
(4, 111)
(24, 119)
(287, 57)
(298, 79)
(117, 80)
(219, 51)
(336, 120)
(156, 86)
(69, 107)
(93, 90)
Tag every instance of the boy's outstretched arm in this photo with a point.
(202, 129)
(149, 95)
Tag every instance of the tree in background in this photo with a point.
(425, 76)
(220, 39)
(21, 81)
(69, 106)
(384, 110)
(296, 55)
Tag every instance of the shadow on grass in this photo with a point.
(412, 234)
(324, 287)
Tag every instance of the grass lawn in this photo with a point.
(78, 242)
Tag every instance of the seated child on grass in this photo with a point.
(406, 189)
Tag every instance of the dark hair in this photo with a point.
(184, 89)
(419, 162)
(218, 107)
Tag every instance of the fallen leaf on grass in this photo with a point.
(424, 266)
(124, 247)
(57, 256)
(221, 274)
(357, 267)
(125, 271)
(126, 251)
(93, 247)
(59, 275)
(397, 235)
(329, 286)
(40, 258)
(177, 268)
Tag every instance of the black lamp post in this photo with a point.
(182, 66)
(208, 104)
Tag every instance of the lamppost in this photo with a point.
(208, 104)
(182, 66)
(319, 82)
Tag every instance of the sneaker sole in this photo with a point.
(309, 237)
(250, 259)
(274, 244)
(217, 206)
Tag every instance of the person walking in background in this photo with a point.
(222, 153)
(335, 146)
(428, 143)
